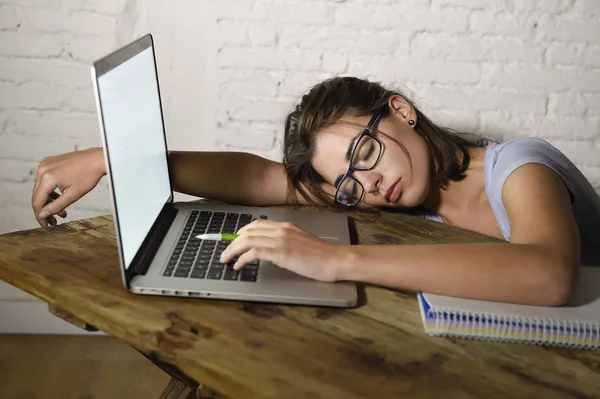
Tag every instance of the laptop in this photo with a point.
(156, 237)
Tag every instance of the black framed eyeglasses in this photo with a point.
(363, 156)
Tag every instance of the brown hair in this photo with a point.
(334, 98)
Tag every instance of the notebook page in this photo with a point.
(584, 304)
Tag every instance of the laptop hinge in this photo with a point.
(142, 260)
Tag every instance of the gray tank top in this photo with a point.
(503, 159)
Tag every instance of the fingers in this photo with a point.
(251, 255)
(244, 244)
(58, 205)
(41, 197)
(54, 195)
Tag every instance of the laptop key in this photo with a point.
(230, 274)
(248, 275)
(168, 273)
(198, 273)
(217, 265)
(186, 269)
(181, 273)
(214, 274)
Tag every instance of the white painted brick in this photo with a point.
(80, 99)
(58, 124)
(32, 3)
(358, 15)
(16, 193)
(89, 49)
(446, 21)
(550, 127)
(398, 69)
(33, 148)
(584, 81)
(506, 24)
(381, 43)
(335, 63)
(470, 4)
(261, 34)
(567, 104)
(590, 56)
(459, 120)
(593, 102)
(469, 48)
(29, 45)
(88, 141)
(323, 37)
(17, 171)
(232, 31)
(63, 20)
(557, 28)
(256, 110)
(248, 83)
(294, 85)
(16, 217)
(243, 136)
(568, 127)
(409, 20)
(47, 71)
(587, 7)
(111, 7)
(30, 96)
(268, 58)
(10, 17)
(293, 12)
(548, 6)
(525, 77)
(4, 121)
(236, 9)
(478, 99)
(561, 54)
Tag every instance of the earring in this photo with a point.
(411, 122)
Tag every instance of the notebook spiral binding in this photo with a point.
(571, 334)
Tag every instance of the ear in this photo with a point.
(400, 108)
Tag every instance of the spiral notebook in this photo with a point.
(576, 324)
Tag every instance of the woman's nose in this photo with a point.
(370, 179)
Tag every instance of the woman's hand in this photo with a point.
(74, 174)
(288, 247)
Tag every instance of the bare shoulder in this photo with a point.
(539, 208)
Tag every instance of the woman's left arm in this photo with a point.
(537, 267)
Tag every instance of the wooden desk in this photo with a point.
(248, 350)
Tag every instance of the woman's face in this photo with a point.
(401, 178)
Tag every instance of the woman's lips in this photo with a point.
(393, 193)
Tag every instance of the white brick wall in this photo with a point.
(231, 70)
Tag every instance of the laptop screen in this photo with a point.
(134, 138)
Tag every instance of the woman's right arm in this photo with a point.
(233, 177)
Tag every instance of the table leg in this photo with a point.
(181, 386)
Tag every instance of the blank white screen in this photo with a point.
(134, 137)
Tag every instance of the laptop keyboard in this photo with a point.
(194, 258)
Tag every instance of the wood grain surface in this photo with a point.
(249, 350)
